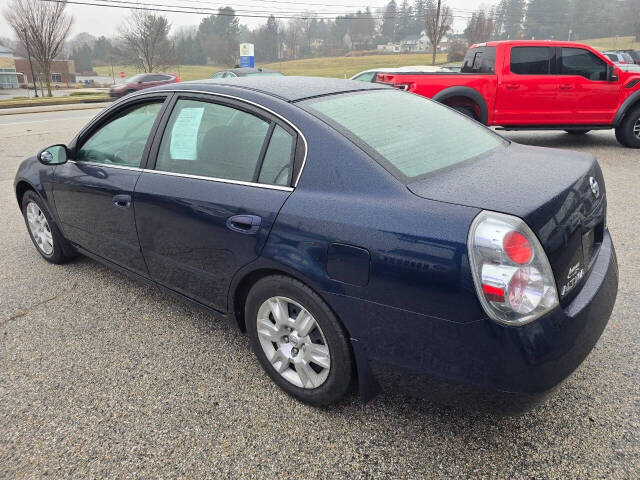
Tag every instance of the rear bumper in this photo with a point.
(412, 352)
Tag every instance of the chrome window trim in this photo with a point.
(186, 175)
(232, 97)
(220, 180)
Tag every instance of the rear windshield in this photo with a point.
(408, 134)
(480, 60)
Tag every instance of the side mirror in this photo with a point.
(611, 73)
(53, 155)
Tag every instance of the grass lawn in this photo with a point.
(34, 102)
(339, 67)
(613, 43)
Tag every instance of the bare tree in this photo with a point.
(437, 22)
(145, 41)
(44, 27)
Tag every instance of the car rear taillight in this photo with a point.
(511, 272)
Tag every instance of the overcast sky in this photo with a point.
(105, 21)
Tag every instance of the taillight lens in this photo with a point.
(510, 269)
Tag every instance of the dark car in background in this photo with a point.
(359, 234)
(634, 54)
(246, 72)
(140, 82)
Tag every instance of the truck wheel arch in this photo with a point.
(465, 92)
(627, 105)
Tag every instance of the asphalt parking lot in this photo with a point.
(101, 376)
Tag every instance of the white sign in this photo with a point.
(246, 49)
(184, 136)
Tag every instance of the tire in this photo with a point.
(628, 132)
(468, 111)
(577, 132)
(42, 229)
(284, 346)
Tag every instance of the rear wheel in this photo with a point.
(628, 132)
(298, 340)
(577, 132)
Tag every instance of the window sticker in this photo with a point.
(184, 136)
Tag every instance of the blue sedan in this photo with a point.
(360, 235)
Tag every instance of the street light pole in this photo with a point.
(33, 76)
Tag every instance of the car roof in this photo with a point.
(290, 89)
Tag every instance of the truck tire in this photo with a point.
(468, 111)
(628, 132)
(577, 132)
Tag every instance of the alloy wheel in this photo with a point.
(293, 342)
(39, 228)
(636, 128)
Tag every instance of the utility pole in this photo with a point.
(33, 76)
(437, 30)
(113, 75)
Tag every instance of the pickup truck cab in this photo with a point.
(521, 85)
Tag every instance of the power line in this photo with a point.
(283, 15)
(170, 8)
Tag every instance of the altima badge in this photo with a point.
(595, 188)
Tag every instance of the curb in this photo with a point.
(54, 108)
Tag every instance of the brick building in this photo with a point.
(62, 71)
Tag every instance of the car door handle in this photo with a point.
(247, 224)
(122, 201)
(512, 86)
(566, 86)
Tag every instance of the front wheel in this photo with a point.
(43, 232)
(298, 340)
(628, 132)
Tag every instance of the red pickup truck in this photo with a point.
(537, 85)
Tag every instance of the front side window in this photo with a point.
(218, 141)
(581, 62)
(122, 140)
(407, 134)
(531, 60)
(218, 75)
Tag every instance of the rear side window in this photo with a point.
(276, 166)
(480, 60)
(578, 61)
(409, 135)
(531, 60)
(218, 141)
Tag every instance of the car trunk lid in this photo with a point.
(559, 194)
